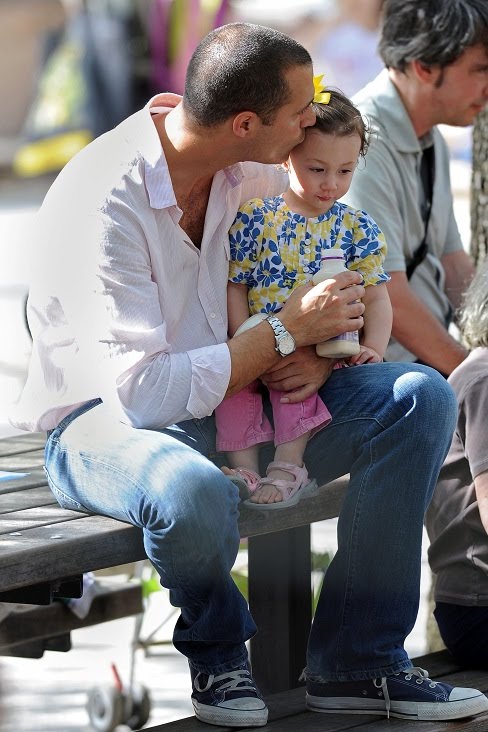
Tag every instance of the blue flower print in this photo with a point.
(239, 246)
(258, 217)
(289, 281)
(266, 273)
(368, 226)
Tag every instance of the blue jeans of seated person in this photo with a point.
(391, 428)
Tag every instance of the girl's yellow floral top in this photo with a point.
(273, 249)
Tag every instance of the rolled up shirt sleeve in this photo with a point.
(175, 387)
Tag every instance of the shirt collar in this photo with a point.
(157, 176)
(388, 110)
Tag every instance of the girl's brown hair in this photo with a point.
(341, 117)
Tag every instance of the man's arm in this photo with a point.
(419, 331)
(459, 271)
(311, 315)
(481, 488)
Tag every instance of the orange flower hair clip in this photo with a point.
(321, 96)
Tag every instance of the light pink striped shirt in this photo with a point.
(124, 306)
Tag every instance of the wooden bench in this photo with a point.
(44, 551)
(29, 630)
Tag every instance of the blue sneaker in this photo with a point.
(409, 694)
(230, 699)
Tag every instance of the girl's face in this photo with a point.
(321, 170)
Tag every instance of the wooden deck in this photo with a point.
(287, 711)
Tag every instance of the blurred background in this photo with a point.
(70, 70)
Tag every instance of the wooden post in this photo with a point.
(280, 599)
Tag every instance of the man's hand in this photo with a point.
(311, 314)
(299, 375)
(316, 313)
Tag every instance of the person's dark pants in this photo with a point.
(464, 630)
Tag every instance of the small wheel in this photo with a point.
(138, 707)
(105, 707)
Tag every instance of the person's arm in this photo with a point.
(481, 488)
(377, 325)
(311, 315)
(237, 306)
(471, 426)
(459, 270)
(416, 328)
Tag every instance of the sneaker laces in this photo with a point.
(421, 674)
(239, 680)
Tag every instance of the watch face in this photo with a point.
(286, 345)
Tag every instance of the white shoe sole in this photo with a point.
(228, 717)
(424, 711)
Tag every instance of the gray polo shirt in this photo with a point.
(387, 185)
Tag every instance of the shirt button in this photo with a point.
(213, 315)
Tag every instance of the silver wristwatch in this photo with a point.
(285, 343)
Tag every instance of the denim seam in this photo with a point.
(354, 675)
(54, 487)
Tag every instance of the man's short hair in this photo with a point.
(434, 32)
(240, 67)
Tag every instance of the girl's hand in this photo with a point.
(365, 355)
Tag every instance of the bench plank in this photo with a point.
(25, 623)
(84, 544)
(22, 461)
(23, 499)
(325, 504)
(34, 479)
(22, 443)
(35, 518)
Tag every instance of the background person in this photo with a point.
(436, 58)
(130, 358)
(457, 518)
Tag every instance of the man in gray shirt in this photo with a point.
(436, 58)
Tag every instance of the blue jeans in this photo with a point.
(391, 428)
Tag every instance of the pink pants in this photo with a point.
(241, 421)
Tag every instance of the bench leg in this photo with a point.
(280, 600)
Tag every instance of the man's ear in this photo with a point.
(245, 123)
(426, 74)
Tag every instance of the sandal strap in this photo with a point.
(250, 476)
(297, 472)
(287, 488)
